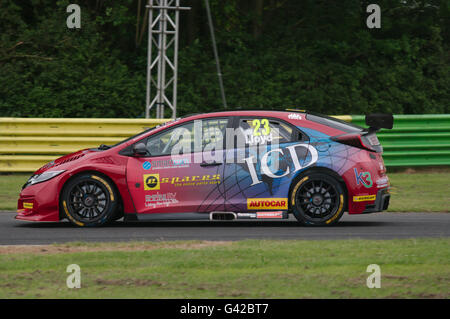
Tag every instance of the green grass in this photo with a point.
(10, 186)
(422, 191)
(413, 268)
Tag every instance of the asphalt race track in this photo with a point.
(372, 226)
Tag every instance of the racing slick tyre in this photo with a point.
(317, 199)
(89, 200)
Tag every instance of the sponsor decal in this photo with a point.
(28, 205)
(265, 170)
(151, 182)
(364, 198)
(156, 200)
(267, 203)
(146, 165)
(278, 214)
(363, 178)
(167, 163)
(196, 180)
(246, 215)
(294, 116)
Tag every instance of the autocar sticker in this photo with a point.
(267, 203)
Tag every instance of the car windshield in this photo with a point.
(131, 137)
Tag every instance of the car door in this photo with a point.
(267, 157)
(182, 171)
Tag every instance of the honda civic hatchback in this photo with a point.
(219, 166)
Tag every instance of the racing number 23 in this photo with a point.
(257, 124)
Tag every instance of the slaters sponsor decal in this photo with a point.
(364, 198)
(267, 203)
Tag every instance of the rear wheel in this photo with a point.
(89, 200)
(317, 199)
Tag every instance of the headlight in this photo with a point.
(42, 177)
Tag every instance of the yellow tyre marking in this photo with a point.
(106, 185)
(341, 204)
(295, 189)
(70, 216)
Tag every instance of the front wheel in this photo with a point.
(89, 200)
(317, 199)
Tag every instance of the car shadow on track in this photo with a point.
(206, 224)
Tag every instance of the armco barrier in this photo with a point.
(28, 143)
(415, 140)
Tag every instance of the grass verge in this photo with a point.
(412, 191)
(414, 268)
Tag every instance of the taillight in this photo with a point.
(369, 141)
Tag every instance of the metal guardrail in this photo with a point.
(415, 140)
(28, 143)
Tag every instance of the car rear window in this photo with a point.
(334, 123)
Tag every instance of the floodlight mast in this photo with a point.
(163, 25)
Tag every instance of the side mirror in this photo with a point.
(140, 149)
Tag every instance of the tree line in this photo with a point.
(317, 55)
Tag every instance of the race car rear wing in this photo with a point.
(367, 138)
(377, 121)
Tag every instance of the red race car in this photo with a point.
(219, 166)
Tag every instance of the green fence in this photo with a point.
(415, 140)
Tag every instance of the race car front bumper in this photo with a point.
(39, 202)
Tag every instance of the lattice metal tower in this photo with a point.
(163, 22)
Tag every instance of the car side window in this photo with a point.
(263, 130)
(213, 131)
(182, 137)
(163, 143)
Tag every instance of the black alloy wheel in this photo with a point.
(317, 199)
(89, 200)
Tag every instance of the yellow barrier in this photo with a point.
(28, 143)
(25, 141)
(23, 163)
(12, 126)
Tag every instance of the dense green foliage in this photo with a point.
(312, 54)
